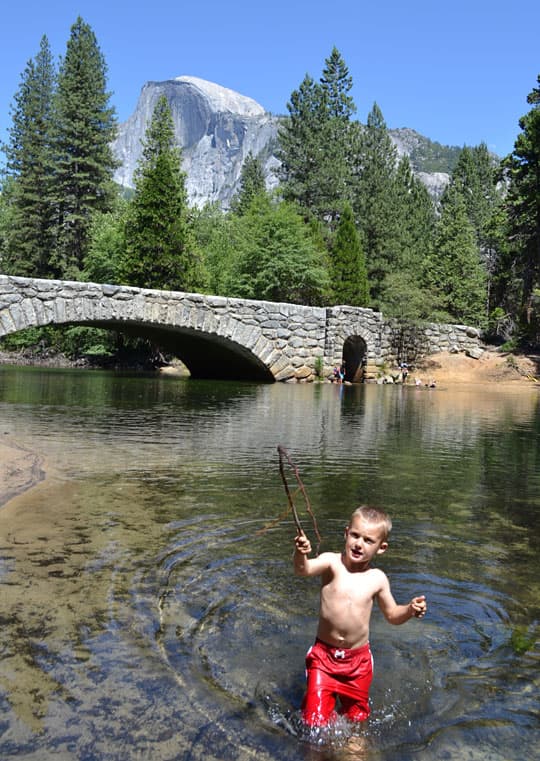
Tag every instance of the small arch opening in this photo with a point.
(354, 359)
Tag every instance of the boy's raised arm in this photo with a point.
(304, 566)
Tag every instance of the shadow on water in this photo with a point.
(147, 613)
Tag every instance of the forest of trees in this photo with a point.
(349, 222)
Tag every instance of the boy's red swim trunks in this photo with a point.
(332, 671)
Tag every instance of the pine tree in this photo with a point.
(252, 184)
(29, 237)
(454, 272)
(336, 84)
(523, 206)
(373, 201)
(414, 218)
(315, 143)
(348, 265)
(301, 140)
(402, 291)
(84, 128)
(475, 174)
(160, 250)
(339, 132)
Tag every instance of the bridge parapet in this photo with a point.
(253, 338)
(225, 337)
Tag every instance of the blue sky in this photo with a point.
(457, 72)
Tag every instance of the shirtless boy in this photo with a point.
(340, 661)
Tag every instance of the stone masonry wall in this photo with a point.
(287, 339)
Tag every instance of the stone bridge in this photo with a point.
(219, 337)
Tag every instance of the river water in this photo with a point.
(148, 606)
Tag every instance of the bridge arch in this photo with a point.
(355, 337)
(216, 337)
(211, 341)
(206, 355)
(219, 337)
(354, 358)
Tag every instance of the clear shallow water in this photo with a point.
(148, 606)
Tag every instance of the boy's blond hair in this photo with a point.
(374, 515)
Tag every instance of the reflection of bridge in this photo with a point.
(217, 337)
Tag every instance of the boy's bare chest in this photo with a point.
(354, 588)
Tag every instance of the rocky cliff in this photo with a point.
(217, 128)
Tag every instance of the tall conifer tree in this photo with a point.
(475, 177)
(454, 272)
(523, 206)
(402, 290)
(84, 128)
(301, 141)
(160, 250)
(475, 174)
(336, 84)
(252, 184)
(348, 264)
(315, 143)
(374, 199)
(28, 238)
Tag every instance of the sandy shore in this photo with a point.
(20, 469)
(492, 368)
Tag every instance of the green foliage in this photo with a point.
(278, 259)
(336, 84)
(159, 245)
(373, 200)
(84, 126)
(215, 236)
(252, 184)
(523, 207)
(406, 298)
(315, 142)
(454, 273)
(75, 342)
(300, 139)
(348, 264)
(106, 247)
(23, 339)
(78, 341)
(475, 176)
(6, 216)
(27, 240)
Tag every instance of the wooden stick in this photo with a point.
(283, 454)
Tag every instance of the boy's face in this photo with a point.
(363, 540)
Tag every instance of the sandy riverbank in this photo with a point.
(492, 368)
(20, 469)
